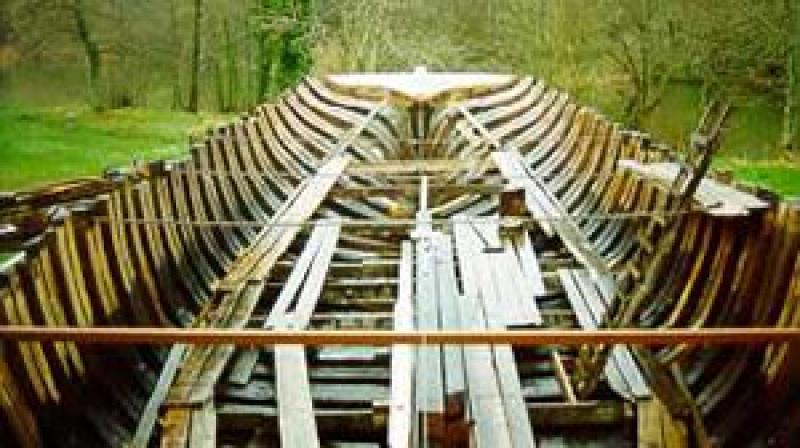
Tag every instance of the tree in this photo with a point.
(791, 121)
(641, 34)
(194, 83)
(282, 32)
(92, 50)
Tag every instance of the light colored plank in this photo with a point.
(542, 202)
(401, 409)
(529, 262)
(295, 408)
(204, 427)
(429, 383)
(298, 426)
(147, 421)
(452, 354)
(716, 198)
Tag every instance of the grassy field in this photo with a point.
(42, 145)
(750, 144)
(39, 145)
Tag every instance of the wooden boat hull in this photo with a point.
(216, 239)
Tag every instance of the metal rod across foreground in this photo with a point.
(527, 337)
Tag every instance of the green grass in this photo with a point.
(44, 145)
(780, 175)
(750, 144)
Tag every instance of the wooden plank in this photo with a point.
(564, 416)
(295, 411)
(404, 190)
(204, 427)
(524, 337)
(656, 428)
(176, 428)
(542, 202)
(716, 198)
(429, 384)
(309, 296)
(409, 166)
(147, 421)
(529, 262)
(519, 427)
(621, 357)
(622, 372)
(563, 378)
(485, 399)
(401, 431)
(246, 361)
(453, 358)
(649, 430)
(523, 285)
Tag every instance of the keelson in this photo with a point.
(519, 209)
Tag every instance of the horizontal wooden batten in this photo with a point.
(252, 337)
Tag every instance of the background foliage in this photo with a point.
(647, 63)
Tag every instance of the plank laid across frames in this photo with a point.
(239, 293)
(497, 402)
(717, 198)
(402, 424)
(295, 410)
(541, 201)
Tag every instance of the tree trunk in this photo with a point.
(194, 88)
(230, 65)
(791, 111)
(92, 50)
(263, 55)
(177, 100)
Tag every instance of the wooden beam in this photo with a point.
(542, 202)
(413, 166)
(250, 337)
(716, 198)
(363, 422)
(401, 424)
(501, 419)
(407, 190)
(147, 420)
(295, 409)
